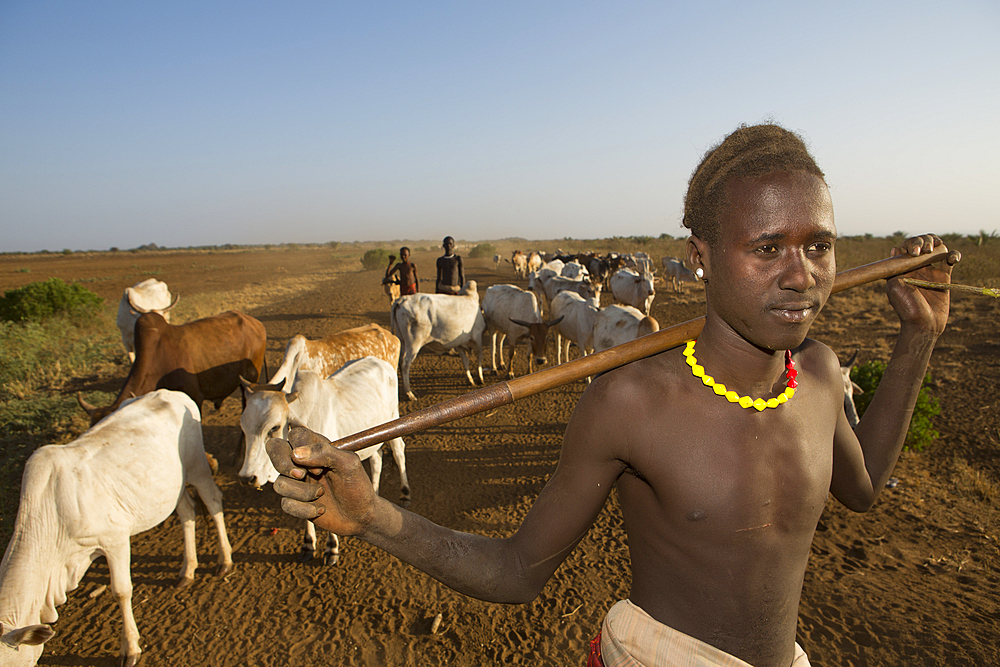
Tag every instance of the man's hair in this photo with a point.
(402, 249)
(750, 151)
(446, 239)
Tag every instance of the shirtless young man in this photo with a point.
(407, 280)
(720, 501)
(450, 273)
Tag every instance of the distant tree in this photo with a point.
(483, 250)
(376, 258)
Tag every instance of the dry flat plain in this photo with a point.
(916, 581)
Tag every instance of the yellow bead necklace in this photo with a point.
(732, 396)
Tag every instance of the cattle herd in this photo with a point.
(75, 506)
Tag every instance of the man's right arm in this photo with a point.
(330, 488)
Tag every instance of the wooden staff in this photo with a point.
(503, 393)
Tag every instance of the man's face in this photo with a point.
(448, 246)
(404, 255)
(773, 267)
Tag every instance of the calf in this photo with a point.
(576, 323)
(615, 325)
(675, 273)
(633, 289)
(512, 312)
(205, 359)
(86, 499)
(360, 395)
(439, 322)
(326, 355)
(148, 296)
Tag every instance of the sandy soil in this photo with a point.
(913, 582)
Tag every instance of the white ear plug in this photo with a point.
(700, 272)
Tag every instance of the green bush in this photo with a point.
(921, 432)
(37, 301)
(375, 259)
(36, 407)
(483, 250)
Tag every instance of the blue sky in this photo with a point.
(206, 123)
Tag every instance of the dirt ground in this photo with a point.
(916, 581)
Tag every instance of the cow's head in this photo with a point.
(537, 332)
(265, 416)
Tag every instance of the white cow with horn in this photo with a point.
(511, 312)
(148, 296)
(362, 394)
(86, 499)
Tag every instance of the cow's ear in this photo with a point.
(31, 635)
(292, 396)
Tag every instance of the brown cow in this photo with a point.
(327, 355)
(205, 359)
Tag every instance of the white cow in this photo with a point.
(439, 322)
(85, 499)
(512, 312)
(496, 262)
(675, 273)
(150, 295)
(574, 271)
(328, 354)
(534, 261)
(520, 263)
(576, 322)
(615, 325)
(362, 394)
(633, 289)
(547, 285)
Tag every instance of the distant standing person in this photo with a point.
(450, 274)
(407, 278)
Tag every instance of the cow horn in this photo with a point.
(850, 362)
(521, 323)
(176, 299)
(552, 323)
(87, 407)
(135, 308)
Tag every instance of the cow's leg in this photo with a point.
(399, 455)
(479, 357)
(493, 351)
(119, 562)
(375, 462)
(211, 495)
(513, 354)
(189, 562)
(308, 543)
(465, 364)
(331, 552)
(409, 354)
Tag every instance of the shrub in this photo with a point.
(375, 259)
(35, 406)
(483, 250)
(921, 432)
(37, 301)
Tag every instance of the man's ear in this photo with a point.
(698, 255)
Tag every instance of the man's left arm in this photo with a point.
(864, 459)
